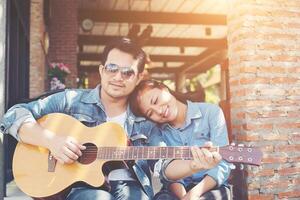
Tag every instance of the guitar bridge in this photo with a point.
(51, 163)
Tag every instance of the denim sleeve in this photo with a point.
(159, 166)
(220, 173)
(29, 112)
(155, 139)
(219, 137)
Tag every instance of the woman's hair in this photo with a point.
(151, 84)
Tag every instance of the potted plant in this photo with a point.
(57, 73)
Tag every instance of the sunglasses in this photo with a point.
(112, 69)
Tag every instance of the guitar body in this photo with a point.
(31, 163)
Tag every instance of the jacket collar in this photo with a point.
(93, 97)
(193, 112)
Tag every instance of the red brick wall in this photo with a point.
(264, 70)
(37, 55)
(63, 31)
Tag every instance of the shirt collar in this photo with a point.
(193, 112)
(131, 116)
(92, 96)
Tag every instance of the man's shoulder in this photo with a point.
(144, 124)
(77, 90)
(77, 93)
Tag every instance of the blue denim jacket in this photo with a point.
(204, 122)
(85, 105)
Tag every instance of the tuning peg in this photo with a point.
(242, 167)
(241, 145)
(232, 144)
(232, 166)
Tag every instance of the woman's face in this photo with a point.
(158, 105)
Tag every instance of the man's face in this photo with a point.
(119, 75)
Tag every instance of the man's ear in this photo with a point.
(100, 69)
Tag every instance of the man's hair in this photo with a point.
(128, 46)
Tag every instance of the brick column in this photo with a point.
(264, 70)
(63, 33)
(37, 52)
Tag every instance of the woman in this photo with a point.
(186, 123)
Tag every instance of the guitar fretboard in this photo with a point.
(247, 155)
(147, 153)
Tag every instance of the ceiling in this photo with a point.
(186, 36)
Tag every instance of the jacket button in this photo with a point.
(2, 128)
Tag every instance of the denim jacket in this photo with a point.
(204, 122)
(85, 105)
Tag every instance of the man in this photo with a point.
(123, 63)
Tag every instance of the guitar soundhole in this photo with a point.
(89, 155)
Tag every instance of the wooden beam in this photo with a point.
(158, 41)
(172, 58)
(124, 16)
(200, 57)
(89, 57)
(154, 58)
(167, 70)
(206, 63)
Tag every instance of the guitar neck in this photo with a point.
(144, 153)
(246, 155)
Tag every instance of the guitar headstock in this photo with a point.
(241, 154)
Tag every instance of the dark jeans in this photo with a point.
(221, 193)
(120, 190)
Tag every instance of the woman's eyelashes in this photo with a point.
(149, 113)
(155, 100)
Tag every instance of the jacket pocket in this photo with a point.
(203, 134)
(138, 139)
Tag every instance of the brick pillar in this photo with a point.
(63, 33)
(37, 51)
(264, 70)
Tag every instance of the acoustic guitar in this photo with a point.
(38, 174)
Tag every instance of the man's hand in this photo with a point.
(203, 158)
(65, 149)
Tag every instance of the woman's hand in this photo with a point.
(203, 158)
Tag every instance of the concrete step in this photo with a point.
(14, 193)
